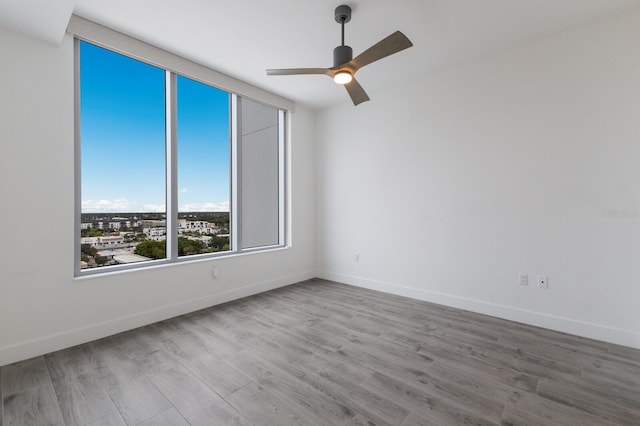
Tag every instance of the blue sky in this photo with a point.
(123, 138)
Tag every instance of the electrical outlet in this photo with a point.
(356, 257)
(543, 282)
(524, 279)
(214, 272)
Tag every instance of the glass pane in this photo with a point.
(122, 122)
(203, 168)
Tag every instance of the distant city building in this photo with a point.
(103, 241)
(114, 223)
(149, 223)
(204, 238)
(156, 234)
(185, 225)
(129, 258)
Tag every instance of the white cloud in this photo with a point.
(205, 207)
(122, 205)
(153, 208)
(183, 190)
(106, 206)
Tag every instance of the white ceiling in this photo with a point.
(243, 37)
(43, 19)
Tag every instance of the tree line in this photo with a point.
(186, 247)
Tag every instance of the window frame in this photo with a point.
(173, 65)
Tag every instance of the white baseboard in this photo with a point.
(552, 322)
(43, 345)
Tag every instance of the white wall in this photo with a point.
(450, 186)
(42, 307)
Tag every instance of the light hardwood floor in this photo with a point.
(321, 353)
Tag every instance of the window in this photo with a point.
(170, 167)
(203, 136)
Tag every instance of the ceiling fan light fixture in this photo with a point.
(343, 77)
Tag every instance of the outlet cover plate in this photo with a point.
(543, 282)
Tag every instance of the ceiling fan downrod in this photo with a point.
(342, 54)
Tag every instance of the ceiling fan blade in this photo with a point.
(298, 71)
(357, 93)
(385, 47)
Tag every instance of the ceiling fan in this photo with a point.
(345, 65)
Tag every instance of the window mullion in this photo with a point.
(77, 158)
(281, 178)
(236, 162)
(171, 100)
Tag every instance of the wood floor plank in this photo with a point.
(140, 342)
(569, 341)
(514, 416)
(318, 362)
(68, 362)
(317, 406)
(219, 345)
(34, 406)
(338, 310)
(582, 399)
(221, 323)
(565, 349)
(263, 408)
(171, 417)
(284, 316)
(625, 352)
(217, 375)
(114, 419)
(107, 354)
(152, 363)
(376, 361)
(506, 356)
(437, 399)
(611, 372)
(439, 415)
(611, 392)
(135, 396)
(550, 412)
(184, 329)
(382, 356)
(182, 343)
(103, 352)
(23, 375)
(507, 376)
(358, 420)
(356, 396)
(322, 311)
(82, 399)
(198, 404)
(474, 381)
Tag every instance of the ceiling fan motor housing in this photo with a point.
(342, 55)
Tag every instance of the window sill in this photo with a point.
(164, 263)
